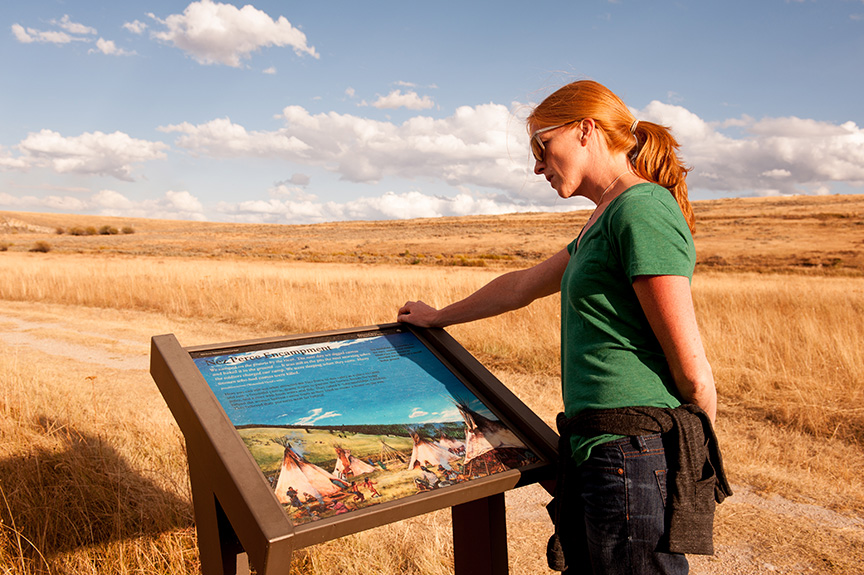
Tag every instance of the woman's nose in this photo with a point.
(538, 167)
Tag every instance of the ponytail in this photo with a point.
(655, 158)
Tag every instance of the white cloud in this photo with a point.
(31, 35)
(300, 179)
(482, 147)
(111, 200)
(285, 192)
(417, 412)
(271, 71)
(777, 173)
(796, 128)
(69, 32)
(214, 33)
(396, 99)
(93, 153)
(109, 48)
(73, 27)
(773, 156)
(172, 205)
(136, 26)
(480, 152)
(179, 205)
(183, 201)
(300, 208)
(292, 189)
(316, 415)
(222, 138)
(52, 202)
(8, 162)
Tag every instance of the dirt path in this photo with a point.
(119, 340)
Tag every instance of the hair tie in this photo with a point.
(633, 127)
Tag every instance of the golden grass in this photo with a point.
(790, 347)
(82, 467)
(92, 467)
(281, 297)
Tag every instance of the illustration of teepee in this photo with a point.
(349, 466)
(303, 477)
(451, 445)
(427, 453)
(391, 455)
(489, 445)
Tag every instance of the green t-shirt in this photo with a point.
(609, 355)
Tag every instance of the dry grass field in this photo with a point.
(92, 466)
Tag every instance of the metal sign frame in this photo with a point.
(241, 523)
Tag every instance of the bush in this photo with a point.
(59, 231)
(105, 230)
(41, 247)
(4, 246)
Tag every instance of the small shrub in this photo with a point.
(4, 246)
(127, 230)
(90, 231)
(108, 231)
(41, 247)
(59, 231)
(77, 231)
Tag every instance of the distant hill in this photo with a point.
(809, 234)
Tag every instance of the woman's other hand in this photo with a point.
(419, 314)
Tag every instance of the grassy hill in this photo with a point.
(800, 233)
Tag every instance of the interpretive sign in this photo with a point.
(320, 435)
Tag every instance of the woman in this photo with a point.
(630, 345)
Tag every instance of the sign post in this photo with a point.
(297, 440)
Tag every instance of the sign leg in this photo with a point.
(219, 548)
(480, 537)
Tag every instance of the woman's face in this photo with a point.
(564, 158)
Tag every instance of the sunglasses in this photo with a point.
(538, 148)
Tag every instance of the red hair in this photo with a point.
(652, 149)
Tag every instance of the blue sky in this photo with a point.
(302, 112)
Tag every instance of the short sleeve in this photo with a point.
(650, 236)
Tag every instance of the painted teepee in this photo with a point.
(451, 445)
(391, 455)
(349, 466)
(303, 477)
(485, 436)
(427, 453)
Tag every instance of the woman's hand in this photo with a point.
(419, 314)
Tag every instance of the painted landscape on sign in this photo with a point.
(342, 424)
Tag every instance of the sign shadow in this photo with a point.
(81, 494)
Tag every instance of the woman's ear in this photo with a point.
(588, 127)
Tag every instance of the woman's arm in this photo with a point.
(505, 293)
(668, 305)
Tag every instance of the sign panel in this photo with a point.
(342, 422)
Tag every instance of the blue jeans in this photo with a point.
(613, 515)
